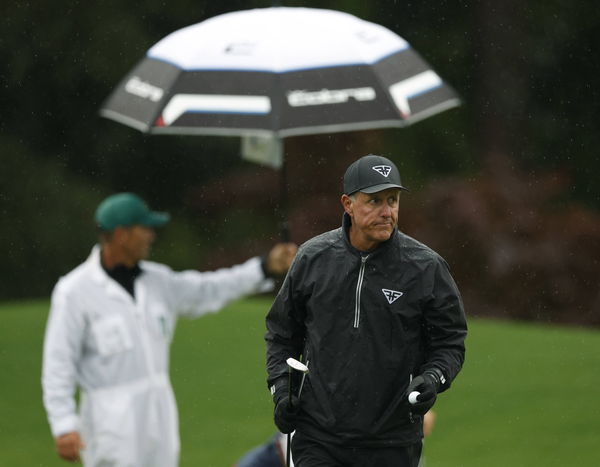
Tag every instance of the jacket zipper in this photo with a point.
(361, 275)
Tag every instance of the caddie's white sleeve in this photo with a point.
(197, 293)
(62, 349)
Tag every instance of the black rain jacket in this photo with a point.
(366, 323)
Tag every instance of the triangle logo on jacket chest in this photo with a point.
(392, 295)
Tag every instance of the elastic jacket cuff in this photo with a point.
(264, 267)
(437, 376)
(64, 425)
(279, 388)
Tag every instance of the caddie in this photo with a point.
(108, 333)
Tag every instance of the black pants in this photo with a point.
(308, 452)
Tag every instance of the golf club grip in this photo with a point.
(412, 397)
(291, 401)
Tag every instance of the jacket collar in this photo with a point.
(93, 263)
(100, 276)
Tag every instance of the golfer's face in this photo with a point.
(374, 217)
(137, 242)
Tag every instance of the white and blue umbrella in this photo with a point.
(278, 72)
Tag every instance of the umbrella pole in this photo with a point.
(284, 224)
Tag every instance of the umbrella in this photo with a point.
(278, 71)
(268, 73)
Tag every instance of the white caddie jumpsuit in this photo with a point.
(116, 349)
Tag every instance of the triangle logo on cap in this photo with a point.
(382, 169)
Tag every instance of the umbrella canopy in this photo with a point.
(278, 72)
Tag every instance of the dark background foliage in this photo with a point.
(504, 187)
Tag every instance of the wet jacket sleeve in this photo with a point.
(285, 325)
(445, 324)
(62, 350)
(195, 293)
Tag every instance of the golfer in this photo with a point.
(377, 316)
(108, 333)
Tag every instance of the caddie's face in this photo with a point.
(374, 217)
(136, 242)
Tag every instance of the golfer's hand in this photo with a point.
(68, 446)
(286, 414)
(280, 258)
(428, 385)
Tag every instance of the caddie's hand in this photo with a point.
(68, 446)
(428, 423)
(286, 414)
(280, 258)
(428, 385)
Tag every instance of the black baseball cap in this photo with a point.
(371, 174)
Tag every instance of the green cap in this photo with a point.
(126, 210)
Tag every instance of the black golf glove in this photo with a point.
(285, 412)
(428, 384)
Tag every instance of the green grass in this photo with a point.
(526, 397)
